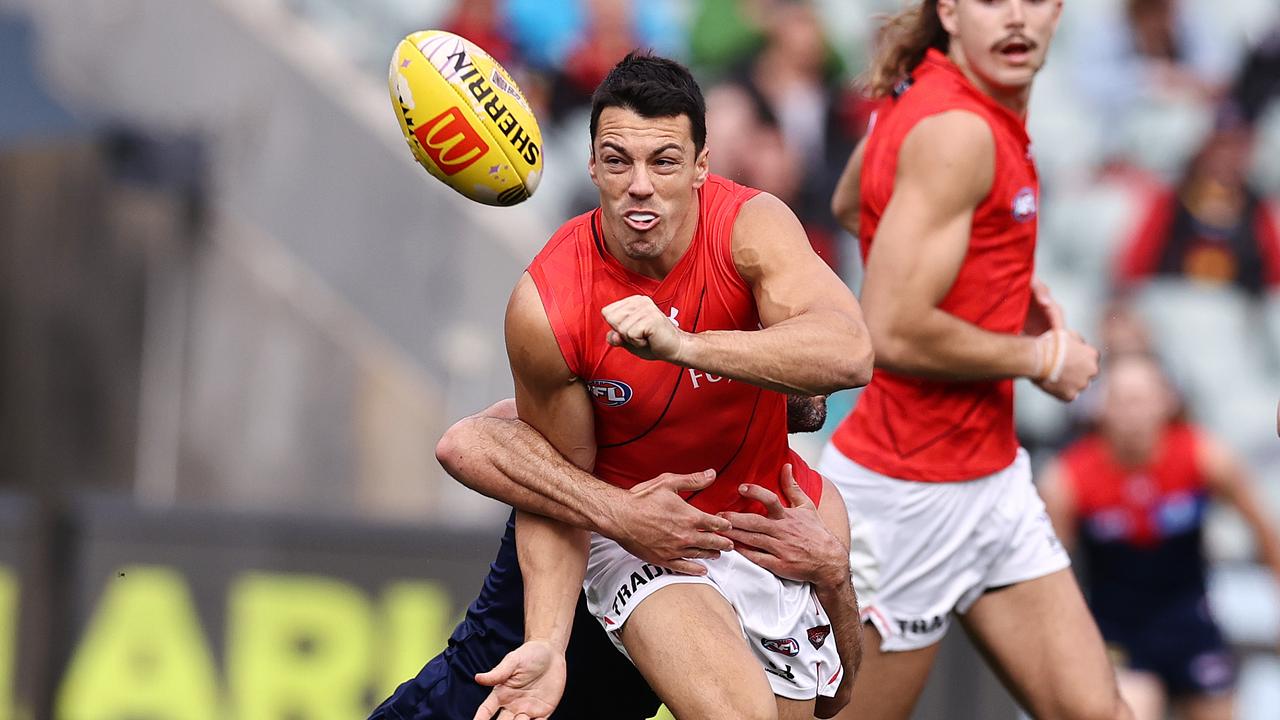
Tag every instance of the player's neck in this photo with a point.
(1014, 99)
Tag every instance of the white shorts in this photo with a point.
(921, 550)
(782, 621)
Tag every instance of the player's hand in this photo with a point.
(659, 527)
(640, 327)
(527, 684)
(790, 542)
(1069, 364)
(1044, 313)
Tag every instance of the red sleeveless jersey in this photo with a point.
(915, 428)
(655, 417)
(1138, 505)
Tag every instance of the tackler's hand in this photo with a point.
(790, 542)
(659, 527)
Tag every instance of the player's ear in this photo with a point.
(702, 166)
(1057, 14)
(947, 15)
(591, 165)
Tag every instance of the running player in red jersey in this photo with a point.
(944, 515)
(1133, 497)
(660, 333)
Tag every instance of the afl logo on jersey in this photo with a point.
(1024, 205)
(611, 393)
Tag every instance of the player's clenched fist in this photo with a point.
(640, 327)
(1067, 364)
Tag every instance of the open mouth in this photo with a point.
(640, 220)
(1016, 50)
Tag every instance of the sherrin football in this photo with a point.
(465, 119)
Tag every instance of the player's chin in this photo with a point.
(642, 248)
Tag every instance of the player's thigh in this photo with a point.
(1144, 694)
(889, 683)
(687, 642)
(1206, 707)
(1045, 646)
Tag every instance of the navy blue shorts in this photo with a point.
(601, 681)
(1179, 643)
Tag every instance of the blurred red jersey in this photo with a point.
(655, 417)
(914, 428)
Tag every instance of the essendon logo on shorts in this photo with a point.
(451, 142)
(785, 646)
(818, 635)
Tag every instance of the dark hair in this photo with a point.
(903, 41)
(652, 87)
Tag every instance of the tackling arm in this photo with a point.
(499, 456)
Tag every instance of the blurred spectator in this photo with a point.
(724, 32)
(548, 31)
(481, 22)
(1212, 227)
(1132, 495)
(747, 146)
(607, 36)
(1259, 81)
(1123, 331)
(1145, 51)
(794, 76)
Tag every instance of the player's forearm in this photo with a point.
(841, 605)
(553, 560)
(936, 344)
(815, 353)
(511, 462)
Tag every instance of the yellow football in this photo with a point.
(465, 119)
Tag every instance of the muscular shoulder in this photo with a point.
(765, 226)
(951, 156)
(531, 342)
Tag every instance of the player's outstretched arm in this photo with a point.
(813, 341)
(1230, 483)
(499, 456)
(552, 554)
(945, 169)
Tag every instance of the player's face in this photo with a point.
(648, 173)
(1138, 400)
(1002, 43)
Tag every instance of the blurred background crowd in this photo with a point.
(235, 316)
